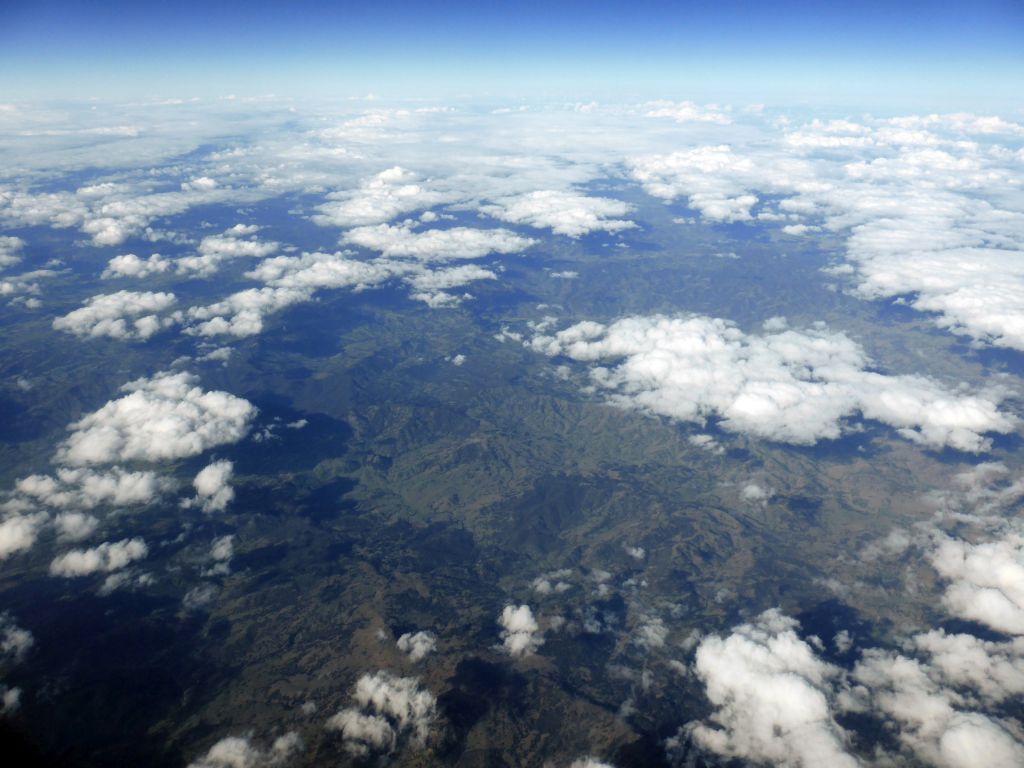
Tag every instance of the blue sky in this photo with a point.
(865, 52)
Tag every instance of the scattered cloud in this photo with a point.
(389, 711)
(792, 386)
(436, 244)
(520, 634)
(120, 315)
(240, 752)
(565, 213)
(377, 200)
(107, 557)
(213, 487)
(130, 265)
(417, 645)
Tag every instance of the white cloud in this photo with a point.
(130, 265)
(436, 244)
(86, 489)
(417, 644)
(565, 213)
(288, 280)
(771, 697)
(926, 214)
(10, 250)
(986, 580)
(19, 532)
(521, 634)
(378, 199)
(120, 315)
(213, 486)
(107, 557)
(215, 250)
(15, 642)
(75, 526)
(930, 721)
(687, 112)
(792, 386)
(240, 752)
(388, 710)
(167, 416)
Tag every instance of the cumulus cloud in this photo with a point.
(931, 724)
(389, 711)
(167, 416)
(213, 486)
(771, 697)
(791, 386)
(121, 315)
(240, 752)
(130, 265)
(15, 642)
(235, 243)
(715, 180)
(436, 244)
(288, 280)
(985, 580)
(110, 213)
(417, 644)
(107, 557)
(19, 532)
(378, 199)
(565, 213)
(521, 634)
(81, 488)
(10, 250)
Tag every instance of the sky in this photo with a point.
(921, 54)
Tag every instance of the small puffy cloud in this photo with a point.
(240, 752)
(378, 199)
(436, 244)
(75, 526)
(389, 711)
(565, 213)
(235, 243)
(417, 644)
(363, 734)
(81, 488)
(19, 532)
(755, 494)
(521, 634)
(167, 416)
(15, 642)
(130, 265)
(589, 762)
(241, 314)
(10, 250)
(771, 698)
(107, 557)
(121, 315)
(288, 280)
(792, 386)
(213, 486)
(651, 634)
